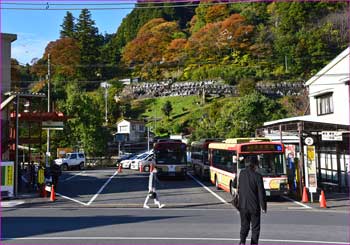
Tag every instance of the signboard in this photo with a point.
(332, 136)
(311, 180)
(309, 141)
(7, 177)
(52, 125)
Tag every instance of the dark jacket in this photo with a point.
(251, 191)
(56, 170)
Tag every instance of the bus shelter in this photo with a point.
(330, 145)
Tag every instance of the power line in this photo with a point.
(137, 6)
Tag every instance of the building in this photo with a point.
(130, 131)
(325, 130)
(6, 40)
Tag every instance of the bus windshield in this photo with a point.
(167, 156)
(270, 164)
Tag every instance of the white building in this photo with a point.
(328, 124)
(130, 131)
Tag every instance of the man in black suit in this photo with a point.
(252, 199)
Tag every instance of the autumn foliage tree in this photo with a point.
(151, 43)
(64, 58)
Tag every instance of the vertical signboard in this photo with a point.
(311, 182)
(7, 178)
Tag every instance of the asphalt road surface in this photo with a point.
(105, 207)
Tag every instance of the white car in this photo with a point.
(126, 163)
(144, 161)
(74, 159)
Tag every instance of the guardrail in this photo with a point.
(100, 162)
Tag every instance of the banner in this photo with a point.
(311, 182)
(7, 178)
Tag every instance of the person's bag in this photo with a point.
(235, 200)
(152, 194)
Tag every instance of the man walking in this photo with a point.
(252, 199)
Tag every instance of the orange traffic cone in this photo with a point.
(151, 168)
(322, 200)
(53, 195)
(140, 168)
(305, 195)
(120, 168)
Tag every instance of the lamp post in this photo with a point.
(106, 85)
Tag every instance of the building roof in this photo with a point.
(343, 55)
(8, 36)
(133, 121)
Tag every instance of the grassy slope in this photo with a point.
(185, 109)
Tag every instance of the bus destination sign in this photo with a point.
(261, 147)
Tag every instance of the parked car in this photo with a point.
(124, 157)
(126, 163)
(71, 160)
(145, 162)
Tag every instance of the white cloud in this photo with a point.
(27, 47)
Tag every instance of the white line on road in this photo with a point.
(299, 203)
(58, 194)
(101, 189)
(213, 193)
(169, 238)
(73, 176)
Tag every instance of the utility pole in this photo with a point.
(48, 108)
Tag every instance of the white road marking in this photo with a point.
(58, 194)
(213, 193)
(299, 203)
(10, 204)
(69, 178)
(169, 238)
(101, 189)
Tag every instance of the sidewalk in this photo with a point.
(336, 201)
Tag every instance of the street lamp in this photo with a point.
(106, 85)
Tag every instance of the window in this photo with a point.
(141, 128)
(123, 129)
(224, 160)
(133, 127)
(325, 104)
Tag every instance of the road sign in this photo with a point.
(309, 141)
(332, 136)
(53, 125)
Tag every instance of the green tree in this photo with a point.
(68, 27)
(167, 108)
(84, 126)
(242, 117)
(88, 39)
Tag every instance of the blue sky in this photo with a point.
(36, 28)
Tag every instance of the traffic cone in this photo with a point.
(322, 200)
(305, 195)
(120, 168)
(53, 195)
(151, 168)
(140, 168)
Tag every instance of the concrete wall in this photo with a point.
(6, 40)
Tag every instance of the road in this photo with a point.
(105, 207)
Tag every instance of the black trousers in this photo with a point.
(247, 218)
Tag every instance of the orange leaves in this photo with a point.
(64, 56)
(151, 42)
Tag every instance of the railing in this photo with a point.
(100, 162)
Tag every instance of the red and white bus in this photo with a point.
(199, 157)
(170, 158)
(228, 158)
